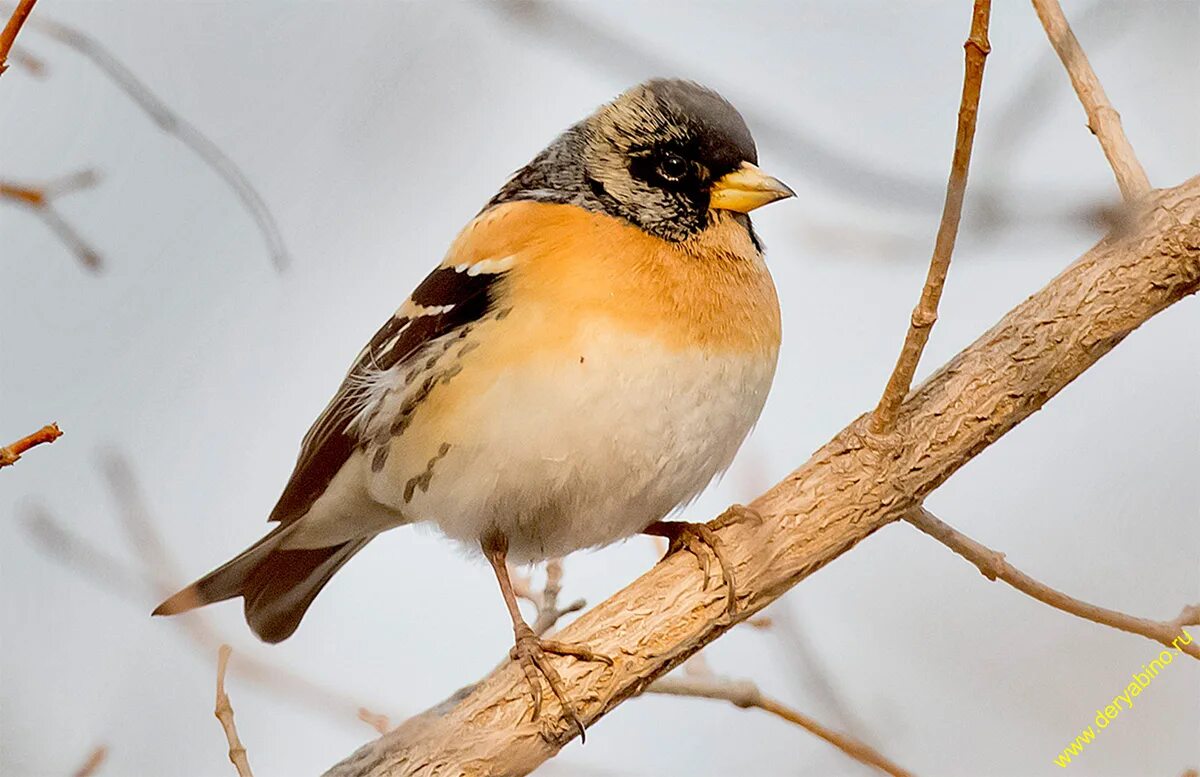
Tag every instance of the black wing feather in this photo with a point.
(328, 443)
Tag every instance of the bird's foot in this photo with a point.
(530, 652)
(697, 537)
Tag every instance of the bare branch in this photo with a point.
(22, 57)
(224, 713)
(92, 765)
(925, 314)
(9, 35)
(746, 694)
(994, 567)
(40, 199)
(545, 601)
(10, 454)
(174, 124)
(853, 486)
(380, 723)
(1103, 119)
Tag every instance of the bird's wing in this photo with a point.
(457, 293)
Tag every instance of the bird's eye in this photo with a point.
(673, 167)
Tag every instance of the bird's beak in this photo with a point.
(747, 188)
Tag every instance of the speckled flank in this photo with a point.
(422, 481)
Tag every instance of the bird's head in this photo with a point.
(664, 155)
(667, 152)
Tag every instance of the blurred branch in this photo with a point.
(40, 199)
(10, 454)
(380, 723)
(1103, 119)
(79, 557)
(21, 57)
(816, 680)
(562, 25)
(9, 35)
(745, 694)
(1015, 118)
(92, 765)
(224, 713)
(545, 601)
(173, 124)
(993, 566)
(156, 575)
(883, 421)
(568, 28)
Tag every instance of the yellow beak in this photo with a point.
(747, 188)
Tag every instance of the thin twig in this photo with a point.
(545, 601)
(746, 694)
(40, 199)
(9, 35)
(174, 124)
(375, 720)
(994, 567)
(93, 762)
(925, 313)
(9, 454)
(1103, 119)
(22, 57)
(224, 713)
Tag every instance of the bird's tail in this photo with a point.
(277, 584)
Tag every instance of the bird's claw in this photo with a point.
(529, 651)
(697, 537)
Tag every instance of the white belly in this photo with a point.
(583, 450)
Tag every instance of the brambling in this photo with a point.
(592, 351)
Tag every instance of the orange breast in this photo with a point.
(572, 266)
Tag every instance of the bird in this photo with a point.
(592, 351)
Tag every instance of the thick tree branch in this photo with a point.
(224, 713)
(10, 454)
(9, 35)
(925, 313)
(746, 694)
(993, 566)
(856, 484)
(1103, 119)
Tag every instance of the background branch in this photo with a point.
(993, 566)
(40, 199)
(10, 454)
(925, 313)
(856, 484)
(173, 124)
(1103, 119)
(9, 35)
(93, 762)
(746, 694)
(155, 575)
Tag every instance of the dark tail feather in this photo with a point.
(277, 585)
(281, 588)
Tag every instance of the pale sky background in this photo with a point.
(374, 131)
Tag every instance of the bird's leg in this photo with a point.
(695, 537)
(529, 650)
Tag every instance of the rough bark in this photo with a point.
(854, 485)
